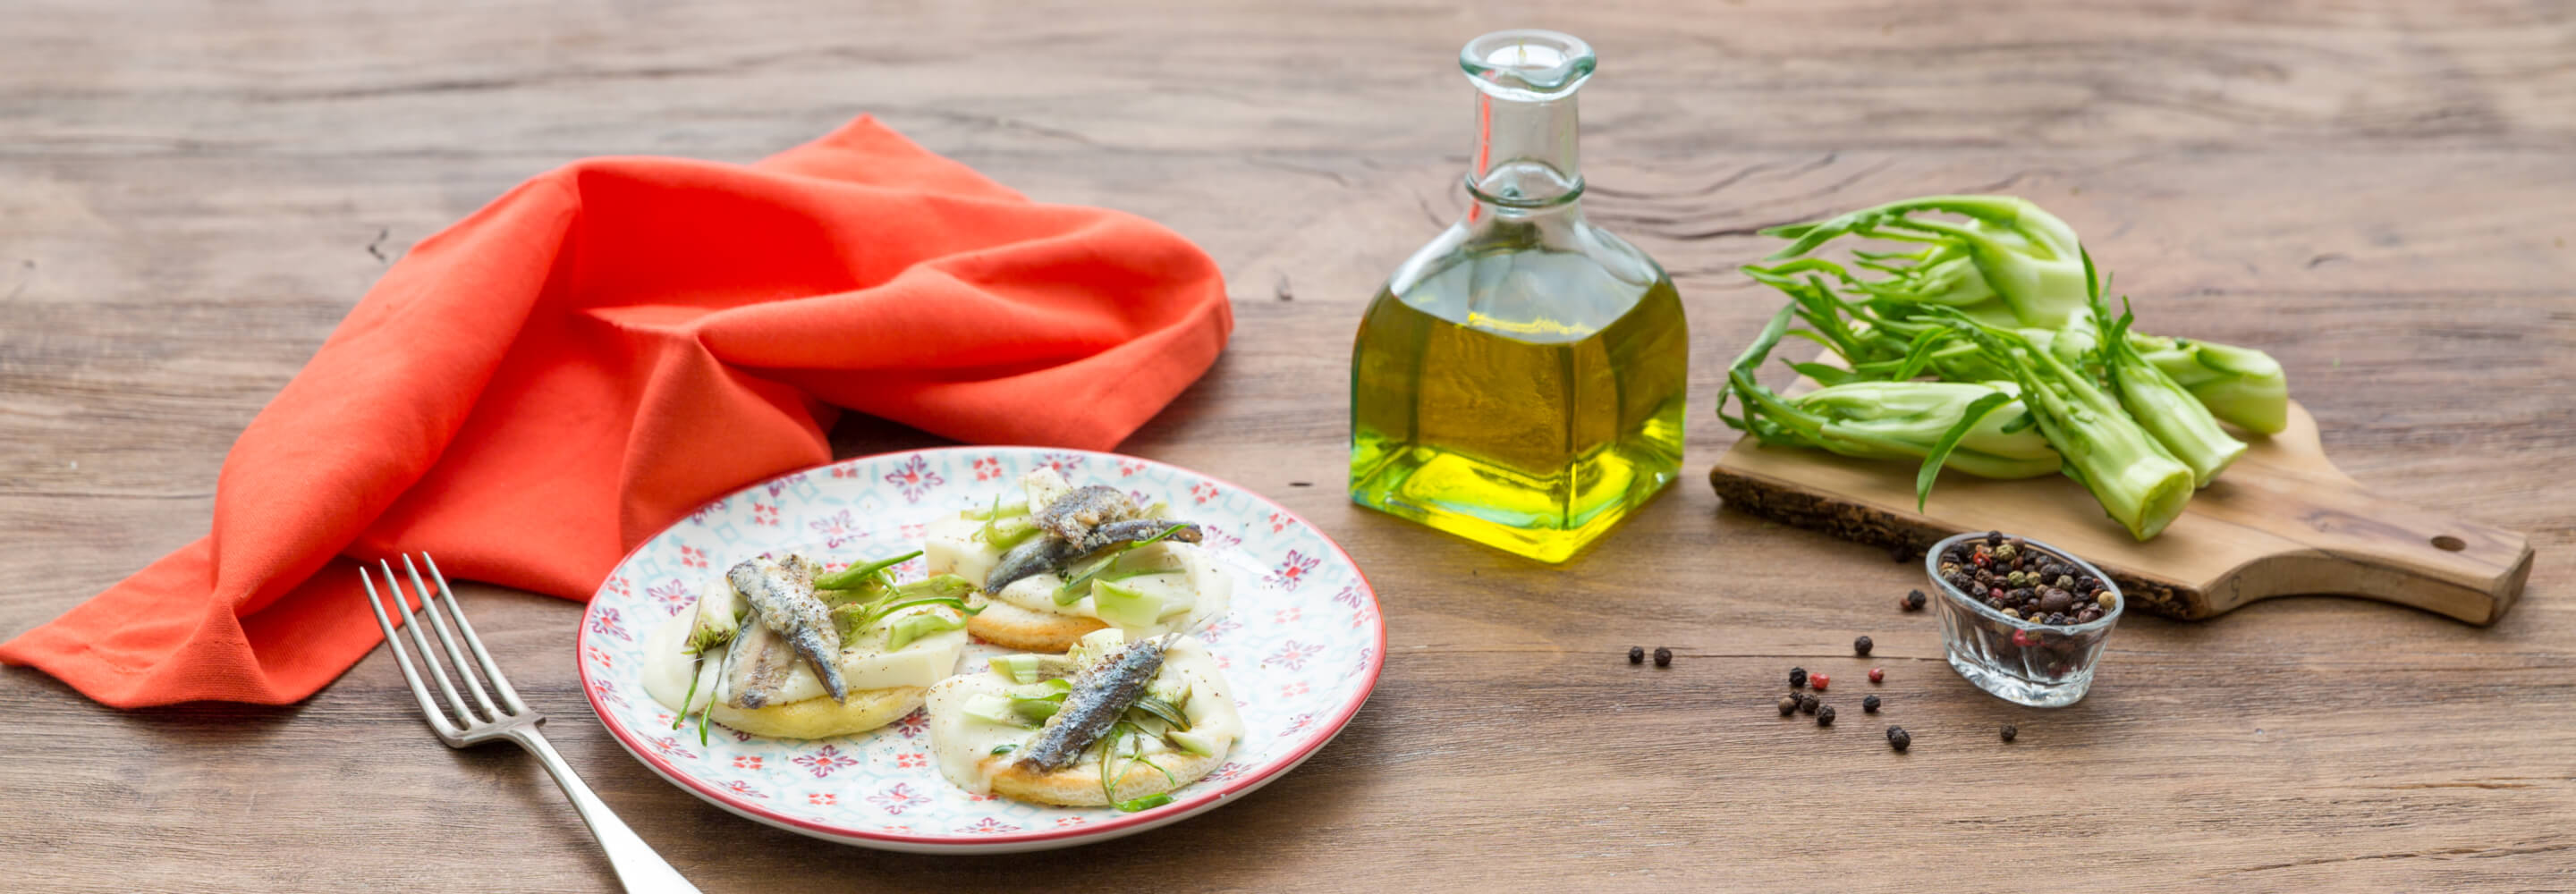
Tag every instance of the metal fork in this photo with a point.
(461, 725)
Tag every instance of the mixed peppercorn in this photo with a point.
(2025, 582)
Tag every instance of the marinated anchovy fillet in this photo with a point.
(1101, 694)
(1047, 553)
(782, 594)
(1035, 557)
(1074, 515)
(758, 666)
(1133, 530)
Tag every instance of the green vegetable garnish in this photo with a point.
(852, 577)
(1125, 606)
(1162, 710)
(1014, 510)
(1005, 748)
(1002, 536)
(915, 626)
(1109, 782)
(1074, 587)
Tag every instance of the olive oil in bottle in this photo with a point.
(1519, 381)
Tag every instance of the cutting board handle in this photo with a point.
(2351, 542)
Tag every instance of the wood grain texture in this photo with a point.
(2376, 191)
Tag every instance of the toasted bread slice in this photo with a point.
(822, 718)
(1013, 627)
(1079, 785)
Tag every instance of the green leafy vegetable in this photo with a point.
(2156, 401)
(1079, 584)
(1941, 449)
(1892, 420)
(1163, 710)
(850, 578)
(2129, 472)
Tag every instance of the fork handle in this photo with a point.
(639, 869)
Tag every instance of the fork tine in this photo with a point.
(464, 716)
(437, 721)
(438, 623)
(491, 670)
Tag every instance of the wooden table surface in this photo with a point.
(2379, 192)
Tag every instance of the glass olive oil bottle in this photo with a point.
(1519, 380)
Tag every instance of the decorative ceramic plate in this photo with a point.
(1302, 647)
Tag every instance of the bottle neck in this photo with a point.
(1525, 154)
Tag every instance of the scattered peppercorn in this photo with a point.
(1898, 738)
(1663, 657)
(1788, 705)
(1913, 600)
(1900, 553)
(1797, 678)
(1825, 716)
(1869, 704)
(1818, 680)
(1809, 703)
(2010, 731)
(1878, 675)
(1861, 646)
(1636, 654)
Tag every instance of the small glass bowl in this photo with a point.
(2023, 662)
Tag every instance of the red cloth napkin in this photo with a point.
(548, 382)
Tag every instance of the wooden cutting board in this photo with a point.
(2281, 521)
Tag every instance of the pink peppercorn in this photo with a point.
(1817, 681)
(1878, 675)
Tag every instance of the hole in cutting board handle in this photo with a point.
(2448, 543)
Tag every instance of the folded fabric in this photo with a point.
(538, 388)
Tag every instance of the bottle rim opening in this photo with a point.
(1527, 64)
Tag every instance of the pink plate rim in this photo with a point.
(1196, 803)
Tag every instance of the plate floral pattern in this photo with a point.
(1302, 646)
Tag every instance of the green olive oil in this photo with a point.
(1518, 381)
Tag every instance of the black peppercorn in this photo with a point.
(1994, 538)
(1899, 553)
(1860, 647)
(1825, 716)
(1914, 600)
(1788, 705)
(1809, 703)
(1797, 678)
(1663, 657)
(1869, 704)
(1898, 738)
(1636, 654)
(2010, 731)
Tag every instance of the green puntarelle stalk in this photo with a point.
(2129, 472)
(2011, 264)
(2163, 408)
